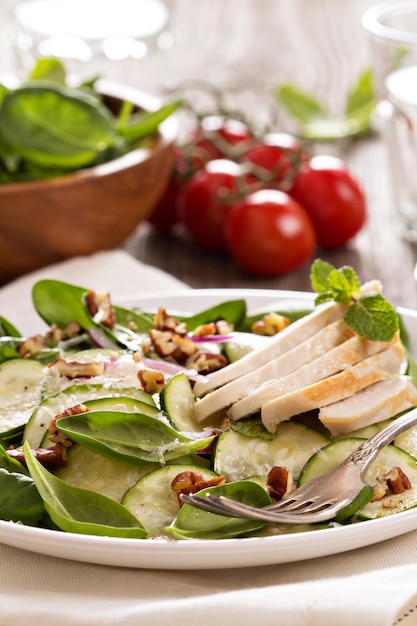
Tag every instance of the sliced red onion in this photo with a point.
(213, 338)
(101, 340)
(166, 367)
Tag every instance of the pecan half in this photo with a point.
(100, 308)
(191, 482)
(206, 362)
(51, 458)
(279, 482)
(31, 346)
(76, 369)
(163, 321)
(271, 324)
(392, 483)
(151, 380)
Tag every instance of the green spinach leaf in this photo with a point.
(79, 510)
(193, 523)
(54, 126)
(129, 437)
(19, 498)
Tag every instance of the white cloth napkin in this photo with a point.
(367, 587)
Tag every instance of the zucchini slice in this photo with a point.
(21, 382)
(75, 394)
(391, 456)
(238, 457)
(153, 501)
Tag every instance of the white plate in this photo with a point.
(226, 553)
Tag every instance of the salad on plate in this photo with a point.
(115, 412)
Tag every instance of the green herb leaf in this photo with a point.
(302, 106)
(252, 427)
(79, 510)
(19, 499)
(132, 438)
(192, 523)
(373, 317)
(362, 94)
(331, 284)
(314, 120)
(54, 126)
(233, 311)
(49, 68)
(369, 315)
(143, 124)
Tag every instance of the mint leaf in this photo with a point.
(319, 273)
(325, 296)
(340, 285)
(373, 317)
(370, 315)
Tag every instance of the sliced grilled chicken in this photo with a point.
(338, 359)
(334, 388)
(373, 404)
(319, 344)
(292, 336)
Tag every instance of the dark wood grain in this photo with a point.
(247, 47)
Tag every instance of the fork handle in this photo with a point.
(366, 453)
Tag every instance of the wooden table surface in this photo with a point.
(246, 48)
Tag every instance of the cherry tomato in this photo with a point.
(229, 130)
(277, 157)
(206, 199)
(332, 197)
(268, 233)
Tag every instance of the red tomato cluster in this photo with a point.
(267, 203)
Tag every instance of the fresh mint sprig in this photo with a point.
(369, 315)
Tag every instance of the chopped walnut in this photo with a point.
(56, 334)
(34, 344)
(31, 346)
(162, 342)
(206, 362)
(76, 369)
(392, 483)
(205, 329)
(100, 308)
(168, 344)
(271, 324)
(185, 348)
(191, 482)
(279, 482)
(151, 380)
(163, 321)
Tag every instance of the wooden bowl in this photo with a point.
(44, 222)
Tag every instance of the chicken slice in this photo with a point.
(375, 403)
(291, 336)
(334, 388)
(338, 359)
(323, 341)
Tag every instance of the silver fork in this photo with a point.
(321, 498)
